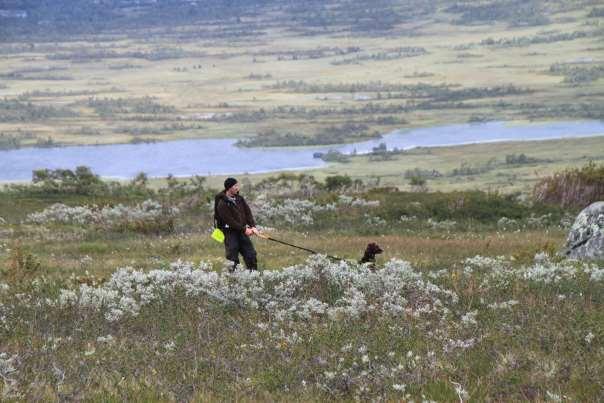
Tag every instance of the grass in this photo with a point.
(555, 155)
(226, 66)
(188, 345)
(500, 327)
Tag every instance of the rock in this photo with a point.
(586, 237)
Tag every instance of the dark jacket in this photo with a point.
(232, 215)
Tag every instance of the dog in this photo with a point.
(370, 252)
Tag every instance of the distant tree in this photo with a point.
(418, 184)
(337, 182)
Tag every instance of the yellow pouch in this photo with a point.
(218, 235)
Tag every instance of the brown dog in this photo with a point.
(370, 252)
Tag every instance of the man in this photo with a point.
(234, 217)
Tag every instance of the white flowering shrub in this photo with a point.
(320, 330)
(290, 211)
(407, 218)
(319, 288)
(8, 370)
(62, 214)
(567, 220)
(538, 222)
(532, 222)
(507, 224)
(485, 263)
(148, 216)
(503, 305)
(350, 201)
(374, 221)
(3, 317)
(445, 225)
(302, 212)
(547, 272)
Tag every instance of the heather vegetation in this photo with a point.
(118, 291)
(114, 290)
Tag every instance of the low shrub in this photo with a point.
(146, 217)
(573, 187)
(457, 206)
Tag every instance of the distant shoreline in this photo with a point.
(300, 168)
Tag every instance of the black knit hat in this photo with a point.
(229, 183)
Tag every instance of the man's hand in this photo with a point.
(255, 231)
(249, 231)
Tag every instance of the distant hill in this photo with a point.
(20, 19)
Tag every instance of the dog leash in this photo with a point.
(296, 246)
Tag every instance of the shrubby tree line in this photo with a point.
(577, 74)
(538, 39)
(249, 18)
(420, 97)
(157, 54)
(586, 110)
(36, 73)
(9, 141)
(392, 54)
(27, 95)
(520, 159)
(417, 90)
(157, 129)
(15, 139)
(317, 53)
(573, 187)
(106, 107)
(596, 12)
(348, 132)
(442, 92)
(12, 110)
(83, 181)
(514, 12)
(23, 110)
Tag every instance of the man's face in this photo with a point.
(233, 190)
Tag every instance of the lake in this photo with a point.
(221, 156)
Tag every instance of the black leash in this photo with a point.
(299, 247)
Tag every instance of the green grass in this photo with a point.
(196, 348)
(193, 347)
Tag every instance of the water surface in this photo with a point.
(221, 156)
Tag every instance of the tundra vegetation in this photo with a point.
(115, 290)
(287, 73)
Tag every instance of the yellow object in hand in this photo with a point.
(218, 235)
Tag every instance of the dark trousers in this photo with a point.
(236, 242)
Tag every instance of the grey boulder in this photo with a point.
(586, 237)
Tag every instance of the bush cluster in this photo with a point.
(573, 187)
(146, 217)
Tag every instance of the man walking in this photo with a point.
(234, 217)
